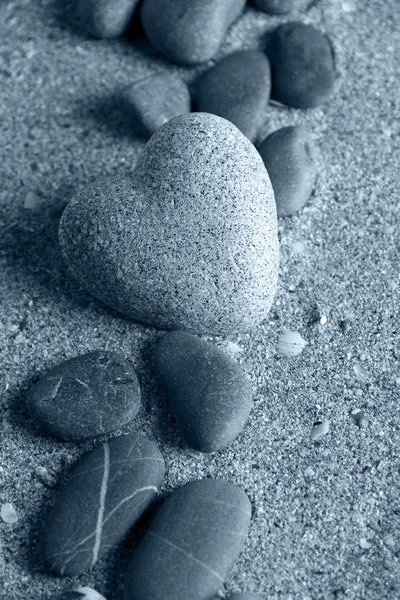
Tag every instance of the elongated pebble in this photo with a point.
(86, 396)
(105, 18)
(106, 493)
(289, 155)
(210, 395)
(192, 543)
(238, 89)
(320, 429)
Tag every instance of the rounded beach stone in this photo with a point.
(238, 88)
(105, 18)
(303, 70)
(209, 394)
(189, 240)
(188, 31)
(192, 543)
(278, 7)
(289, 155)
(86, 396)
(107, 492)
(154, 100)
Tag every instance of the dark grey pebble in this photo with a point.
(302, 61)
(107, 492)
(188, 31)
(105, 18)
(238, 88)
(86, 396)
(278, 7)
(192, 543)
(209, 394)
(289, 155)
(154, 100)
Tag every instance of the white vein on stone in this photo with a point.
(143, 489)
(103, 493)
(160, 537)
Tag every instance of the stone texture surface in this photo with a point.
(289, 155)
(303, 69)
(104, 18)
(189, 31)
(192, 543)
(189, 241)
(209, 394)
(279, 7)
(238, 88)
(154, 100)
(107, 492)
(86, 396)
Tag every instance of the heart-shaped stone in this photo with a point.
(189, 241)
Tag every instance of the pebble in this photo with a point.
(238, 88)
(289, 155)
(278, 7)
(360, 371)
(105, 18)
(192, 543)
(290, 343)
(303, 70)
(31, 200)
(320, 428)
(364, 544)
(188, 31)
(107, 492)
(244, 596)
(154, 100)
(209, 394)
(86, 396)
(190, 240)
(48, 479)
(8, 513)
(81, 593)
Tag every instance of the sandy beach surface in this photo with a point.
(326, 514)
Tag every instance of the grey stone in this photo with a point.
(105, 18)
(238, 88)
(289, 155)
(86, 396)
(209, 394)
(189, 31)
(154, 100)
(302, 61)
(107, 492)
(279, 7)
(189, 241)
(192, 543)
(244, 596)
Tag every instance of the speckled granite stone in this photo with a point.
(238, 89)
(104, 18)
(210, 395)
(86, 396)
(189, 241)
(107, 492)
(154, 100)
(278, 7)
(189, 31)
(289, 155)
(303, 69)
(192, 543)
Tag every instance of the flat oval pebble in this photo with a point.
(107, 492)
(154, 100)
(189, 240)
(192, 543)
(105, 18)
(278, 7)
(209, 394)
(188, 31)
(303, 70)
(289, 155)
(86, 396)
(238, 88)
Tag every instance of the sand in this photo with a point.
(314, 503)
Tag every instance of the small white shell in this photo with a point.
(319, 430)
(8, 514)
(290, 343)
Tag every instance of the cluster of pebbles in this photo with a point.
(188, 243)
